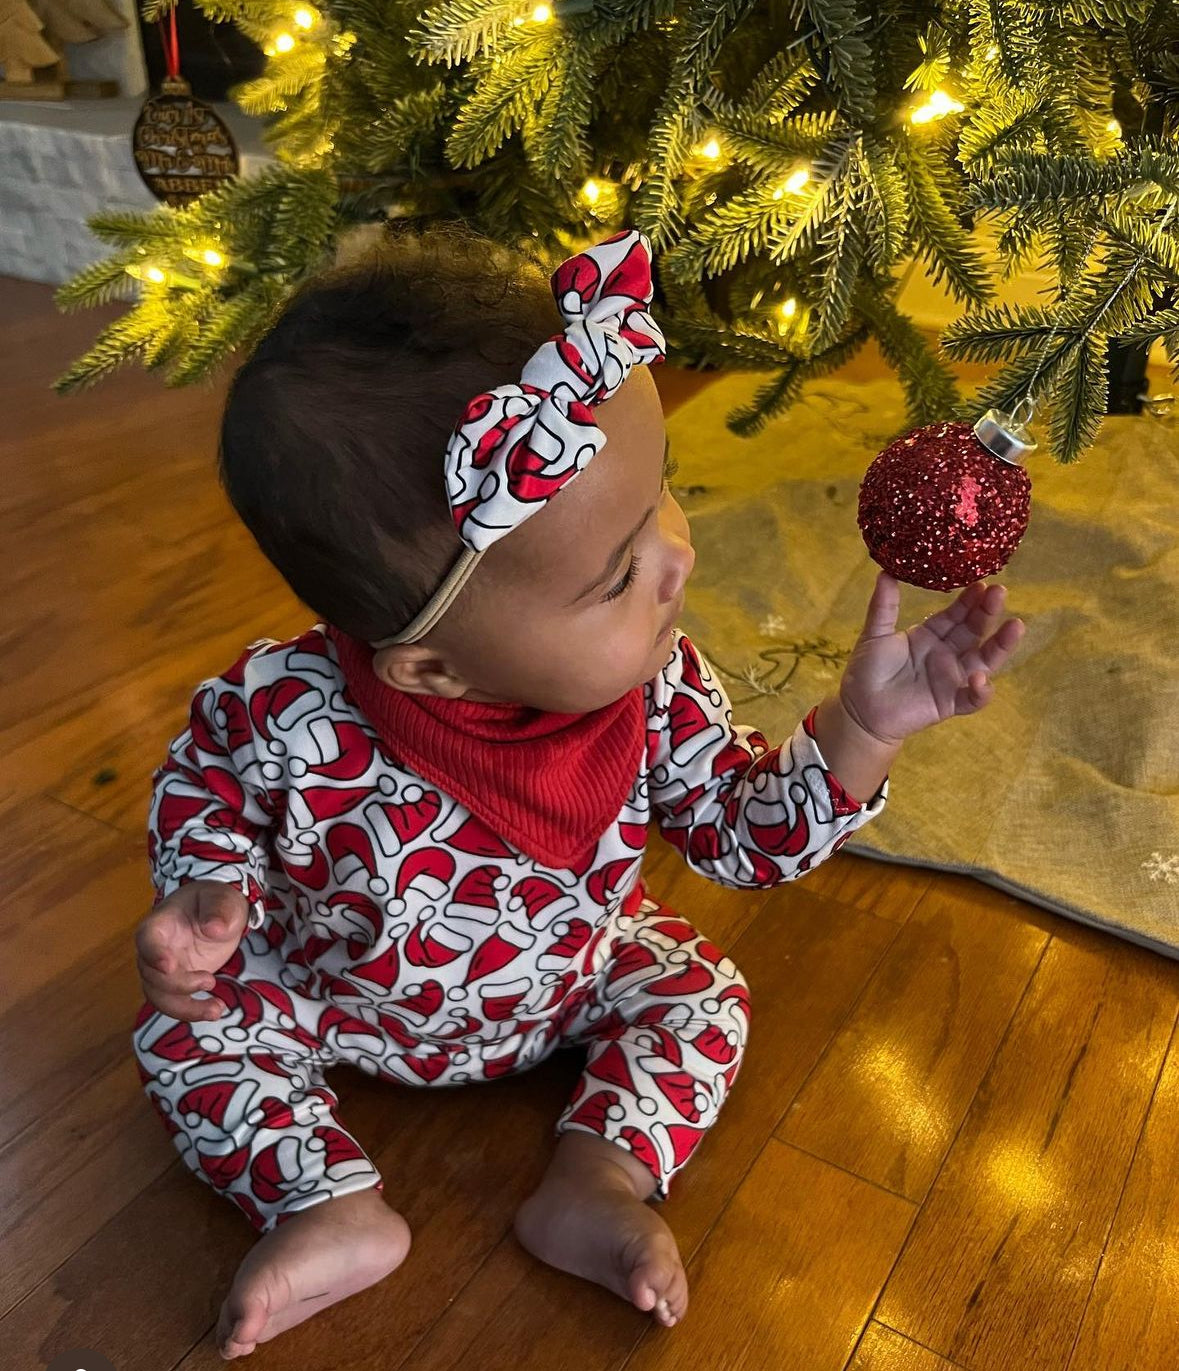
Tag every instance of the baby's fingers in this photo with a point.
(156, 943)
(191, 1011)
(975, 694)
(173, 994)
(175, 982)
(994, 653)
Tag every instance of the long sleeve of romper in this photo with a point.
(742, 813)
(209, 811)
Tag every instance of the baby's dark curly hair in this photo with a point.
(334, 429)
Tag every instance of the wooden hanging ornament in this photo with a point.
(182, 146)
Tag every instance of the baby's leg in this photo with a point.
(245, 1102)
(667, 1025)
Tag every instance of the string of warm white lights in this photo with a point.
(598, 193)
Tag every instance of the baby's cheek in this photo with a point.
(609, 659)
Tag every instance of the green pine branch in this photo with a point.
(556, 139)
(930, 389)
(98, 284)
(838, 258)
(459, 30)
(510, 85)
(778, 394)
(844, 50)
(942, 240)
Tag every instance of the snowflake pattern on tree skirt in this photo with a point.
(1161, 868)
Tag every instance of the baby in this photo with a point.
(410, 838)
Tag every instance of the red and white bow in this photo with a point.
(517, 445)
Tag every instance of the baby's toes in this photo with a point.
(672, 1305)
(658, 1286)
(677, 1295)
(232, 1349)
(242, 1320)
(643, 1293)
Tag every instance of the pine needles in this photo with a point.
(769, 148)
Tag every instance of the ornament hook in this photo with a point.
(1030, 402)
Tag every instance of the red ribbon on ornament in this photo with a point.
(171, 45)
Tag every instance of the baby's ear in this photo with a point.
(418, 670)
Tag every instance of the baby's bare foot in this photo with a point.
(318, 1257)
(587, 1218)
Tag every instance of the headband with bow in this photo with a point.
(517, 445)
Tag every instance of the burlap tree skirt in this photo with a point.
(1065, 789)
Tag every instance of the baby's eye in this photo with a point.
(670, 467)
(622, 585)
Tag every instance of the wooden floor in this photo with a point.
(952, 1144)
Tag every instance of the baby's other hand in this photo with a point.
(192, 933)
(899, 682)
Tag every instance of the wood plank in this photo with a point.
(1004, 1252)
(886, 889)
(198, 591)
(883, 1349)
(69, 883)
(891, 1092)
(75, 1028)
(790, 1273)
(150, 1281)
(63, 1179)
(1132, 1319)
(96, 750)
(518, 1315)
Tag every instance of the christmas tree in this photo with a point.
(788, 160)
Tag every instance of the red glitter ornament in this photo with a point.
(946, 505)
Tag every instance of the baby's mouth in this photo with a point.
(669, 627)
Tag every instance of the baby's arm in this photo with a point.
(742, 813)
(210, 811)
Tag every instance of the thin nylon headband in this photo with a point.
(438, 603)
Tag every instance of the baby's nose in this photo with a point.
(687, 560)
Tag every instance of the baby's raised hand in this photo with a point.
(899, 682)
(193, 932)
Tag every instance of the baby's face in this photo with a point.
(577, 605)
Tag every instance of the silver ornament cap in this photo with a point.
(1004, 436)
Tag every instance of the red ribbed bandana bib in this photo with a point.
(549, 784)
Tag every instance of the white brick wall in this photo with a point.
(61, 162)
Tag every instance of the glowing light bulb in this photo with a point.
(793, 183)
(938, 106)
(592, 191)
(1114, 127)
(541, 14)
(284, 43)
(711, 150)
(209, 256)
(148, 273)
(788, 308)
(992, 52)
(304, 18)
